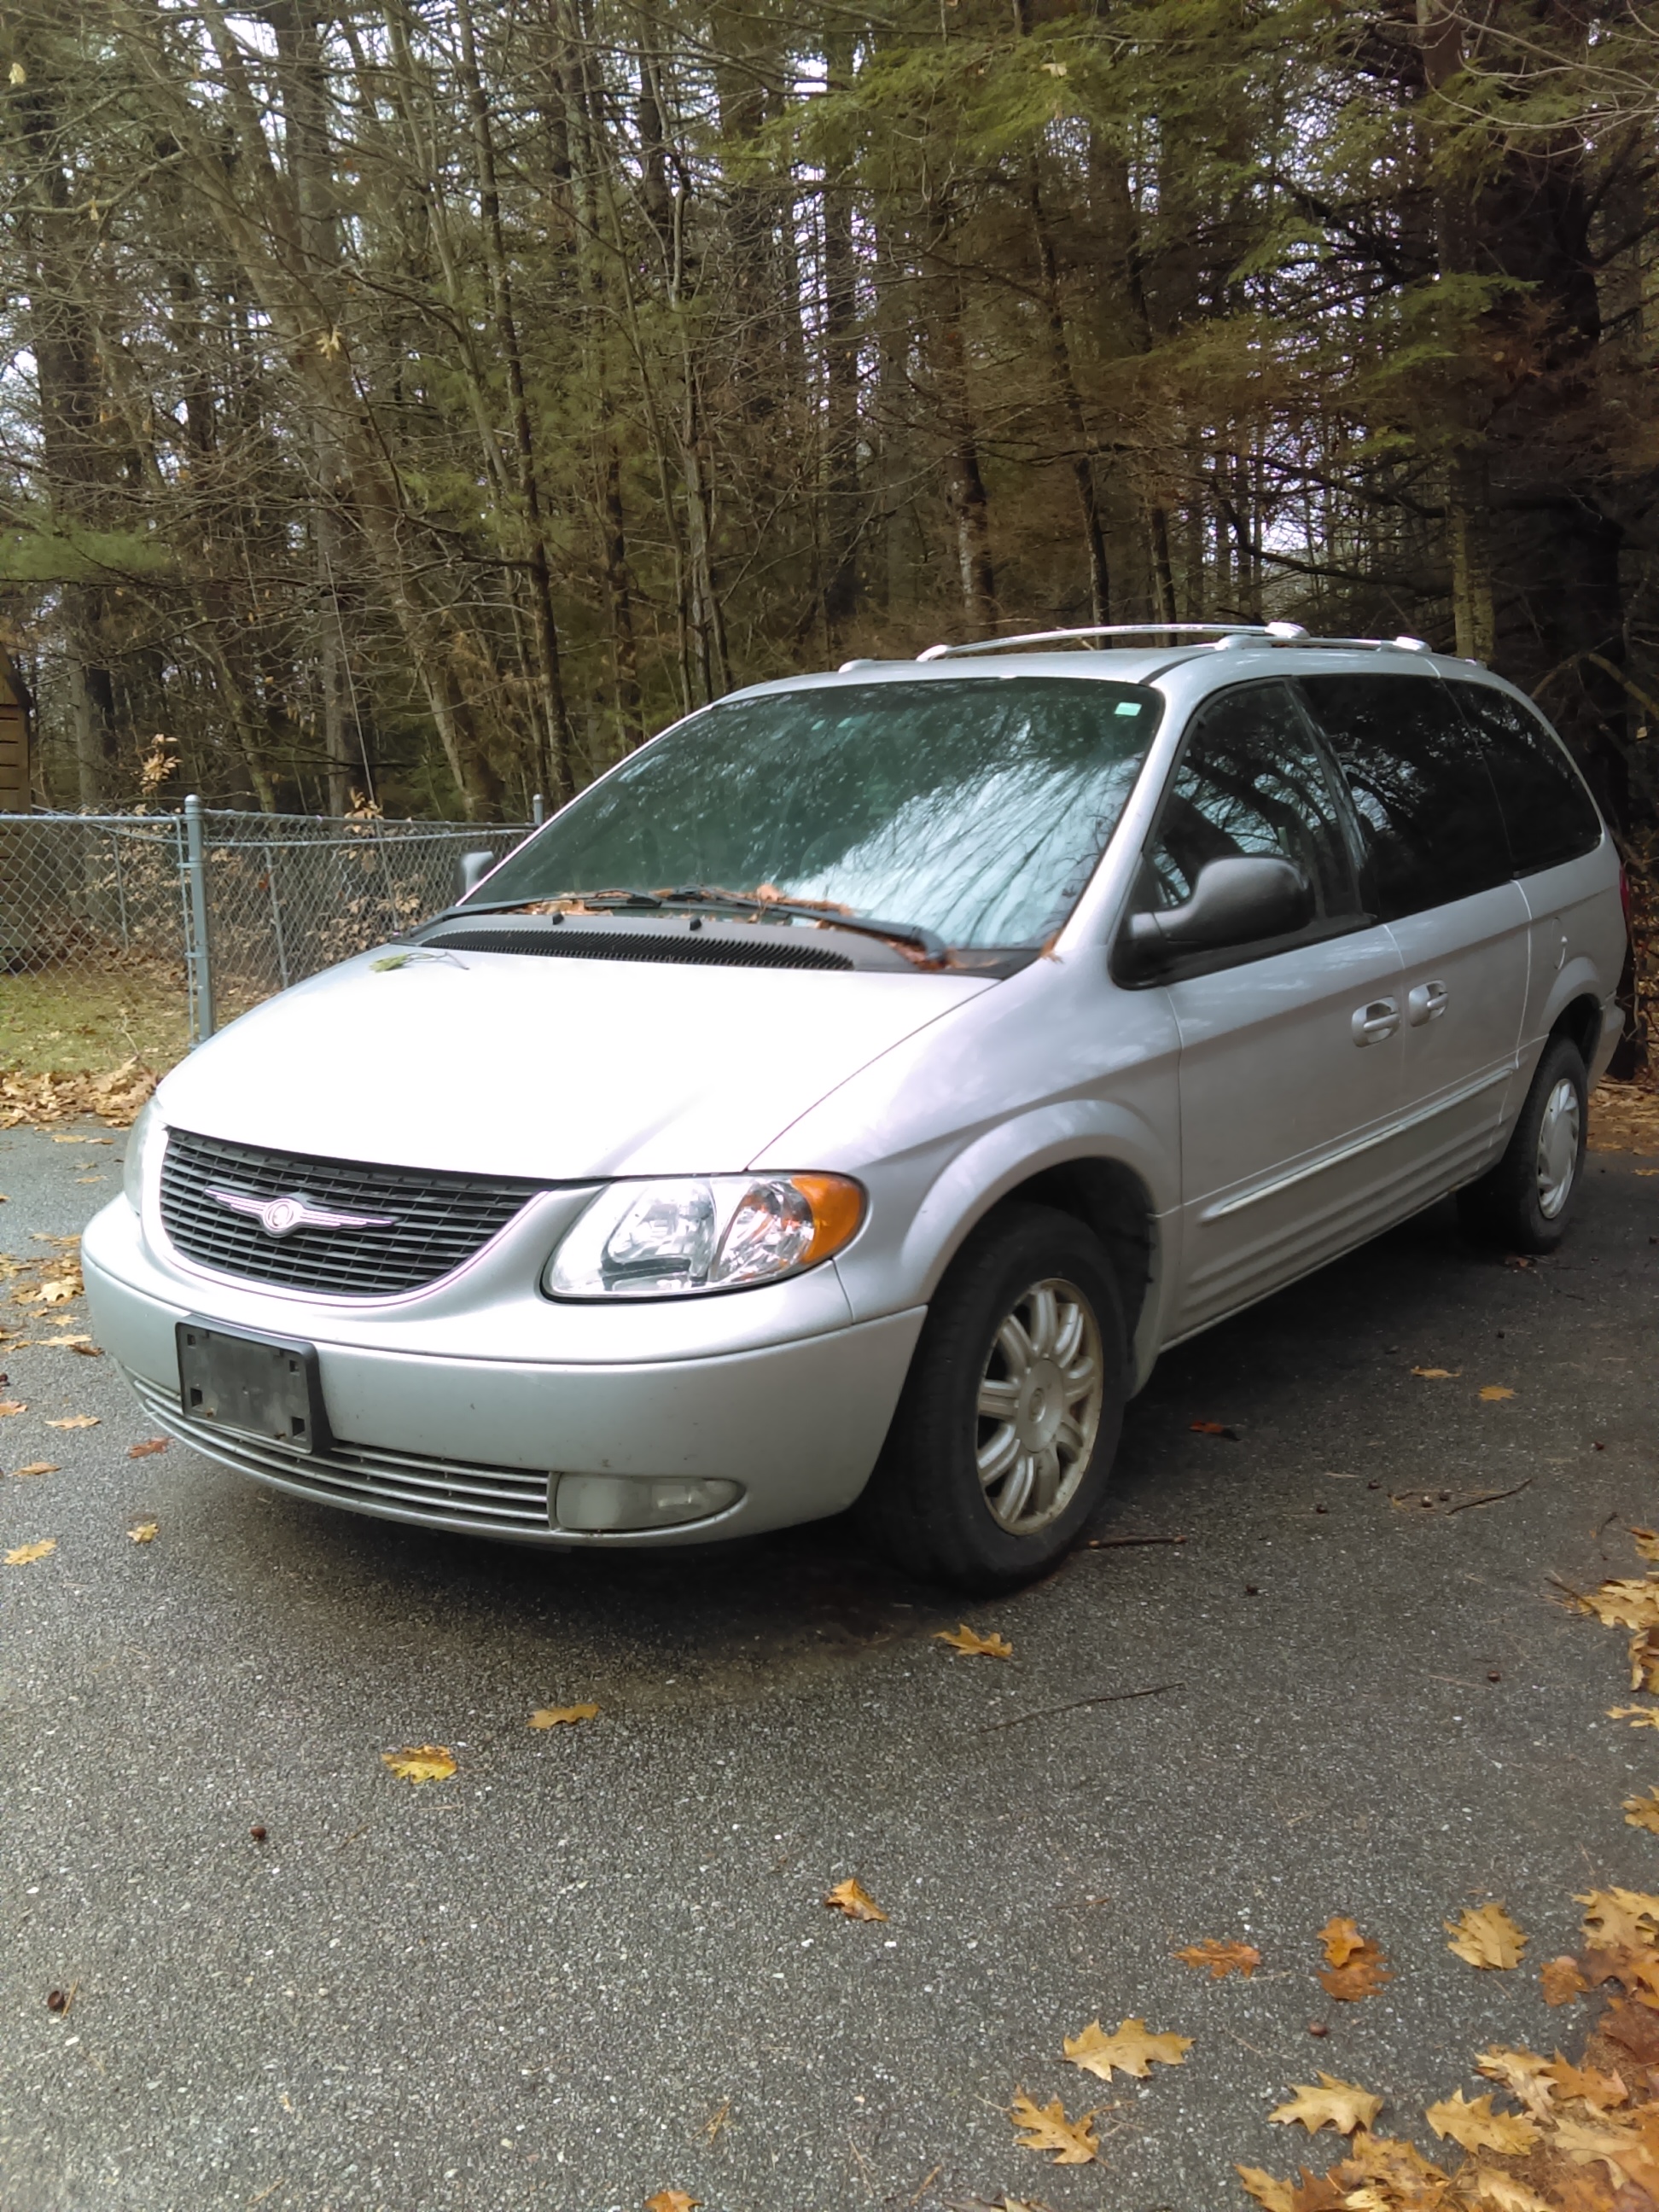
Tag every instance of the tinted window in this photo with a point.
(1549, 815)
(1420, 787)
(978, 806)
(1250, 781)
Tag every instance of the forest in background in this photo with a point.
(412, 404)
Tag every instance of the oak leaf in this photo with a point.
(1561, 1980)
(1485, 1937)
(1046, 2128)
(1625, 1603)
(852, 1898)
(1339, 2105)
(1501, 2192)
(1438, 1374)
(1213, 1429)
(37, 1467)
(144, 1532)
(965, 1640)
(1586, 2084)
(1643, 1812)
(1400, 2167)
(1637, 1716)
(13, 1406)
(143, 1450)
(1129, 2048)
(1647, 1543)
(671, 2200)
(1587, 2142)
(1621, 1919)
(1221, 1959)
(549, 1716)
(1314, 2192)
(1477, 2127)
(421, 1762)
(1356, 1967)
(1523, 2074)
(1273, 2196)
(27, 1554)
(1491, 1392)
(76, 1421)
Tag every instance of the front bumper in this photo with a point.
(474, 1443)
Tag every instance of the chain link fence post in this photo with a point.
(198, 959)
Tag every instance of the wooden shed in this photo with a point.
(14, 740)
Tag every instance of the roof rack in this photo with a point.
(1233, 636)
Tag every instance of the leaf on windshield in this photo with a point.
(421, 1762)
(1129, 2048)
(1221, 1959)
(1046, 2128)
(852, 1899)
(1488, 1937)
(963, 1639)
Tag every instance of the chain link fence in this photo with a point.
(135, 936)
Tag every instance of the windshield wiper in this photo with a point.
(827, 916)
(561, 902)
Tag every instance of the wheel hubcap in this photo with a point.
(1039, 1406)
(1558, 1148)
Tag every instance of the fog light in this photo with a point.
(599, 1502)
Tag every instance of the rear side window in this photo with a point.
(1549, 815)
(1426, 804)
(1250, 781)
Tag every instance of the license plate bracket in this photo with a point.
(267, 1386)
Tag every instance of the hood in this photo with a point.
(497, 1064)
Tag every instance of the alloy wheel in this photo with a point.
(1039, 1405)
(1558, 1148)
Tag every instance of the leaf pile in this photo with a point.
(115, 1097)
(1355, 1967)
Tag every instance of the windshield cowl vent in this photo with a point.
(705, 950)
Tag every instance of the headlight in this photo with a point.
(138, 1137)
(659, 1239)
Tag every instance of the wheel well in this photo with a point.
(1581, 1022)
(1107, 1198)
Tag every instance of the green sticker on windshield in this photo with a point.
(1128, 706)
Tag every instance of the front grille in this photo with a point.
(698, 952)
(502, 1501)
(436, 1220)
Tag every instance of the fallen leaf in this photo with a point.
(963, 1639)
(84, 1344)
(852, 1899)
(421, 1762)
(1273, 2196)
(1585, 2142)
(1523, 2074)
(1046, 2128)
(13, 1406)
(26, 1555)
(1400, 2167)
(1491, 1392)
(1637, 1716)
(1634, 2027)
(1221, 1959)
(1486, 1937)
(1561, 1980)
(1647, 1540)
(1358, 1967)
(1502, 2193)
(1477, 2127)
(1623, 1603)
(1586, 2084)
(76, 1421)
(1213, 1429)
(671, 2200)
(37, 1467)
(1643, 1812)
(144, 1532)
(548, 1717)
(1438, 1374)
(143, 1450)
(1129, 2048)
(1339, 2105)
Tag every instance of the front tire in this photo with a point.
(1008, 1425)
(1525, 1202)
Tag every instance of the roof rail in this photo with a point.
(1401, 644)
(1115, 629)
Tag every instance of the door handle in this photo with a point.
(1372, 1023)
(1425, 1002)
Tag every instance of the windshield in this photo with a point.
(976, 808)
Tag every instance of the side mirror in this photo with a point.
(1234, 902)
(470, 870)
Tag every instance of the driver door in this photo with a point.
(1293, 1051)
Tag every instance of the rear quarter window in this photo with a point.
(1549, 815)
(1427, 807)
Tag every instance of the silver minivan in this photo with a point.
(847, 1097)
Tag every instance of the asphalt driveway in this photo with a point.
(595, 1964)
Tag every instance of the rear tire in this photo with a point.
(1008, 1425)
(1525, 1203)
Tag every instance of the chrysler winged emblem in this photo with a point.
(280, 1217)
